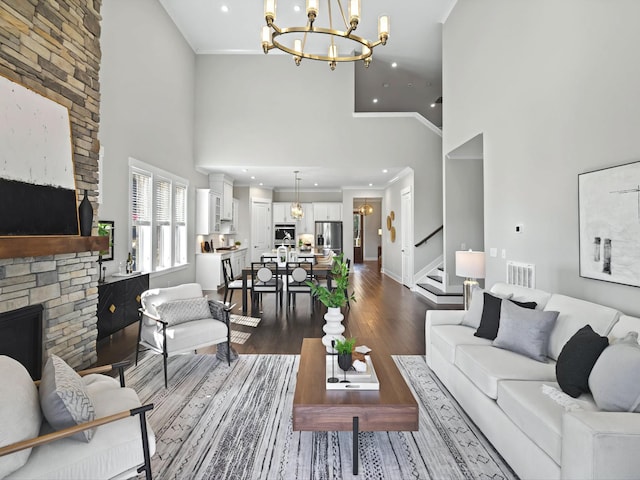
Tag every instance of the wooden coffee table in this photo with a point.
(392, 408)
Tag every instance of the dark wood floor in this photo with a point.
(386, 313)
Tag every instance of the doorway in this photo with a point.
(358, 237)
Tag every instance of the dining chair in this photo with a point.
(266, 277)
(230, 282)
(298, 274)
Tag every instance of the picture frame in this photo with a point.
(106, 228)
(609, 224)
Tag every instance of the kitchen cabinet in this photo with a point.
(307, 223)
(282, 213)
(209, 267)
(118, 302)
(232, 225)
(208, 211)
(223, 186)
(327, 211)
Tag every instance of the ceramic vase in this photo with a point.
(333, 327)
(85, 215)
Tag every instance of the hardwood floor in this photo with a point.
(385, 311)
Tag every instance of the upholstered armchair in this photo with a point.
(179, 320)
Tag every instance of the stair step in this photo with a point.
(435, 278)
(436, 291)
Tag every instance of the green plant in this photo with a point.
(344, 347)
(336, 297)
(238, 243)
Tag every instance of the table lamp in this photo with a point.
(470, 265)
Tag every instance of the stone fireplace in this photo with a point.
(53, 48)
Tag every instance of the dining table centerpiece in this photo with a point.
(334, 299)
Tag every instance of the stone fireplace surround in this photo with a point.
(53, 48)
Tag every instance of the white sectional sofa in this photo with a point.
(502, 391)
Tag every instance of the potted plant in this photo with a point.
(334, 300)
(336, 297)
(345, 349)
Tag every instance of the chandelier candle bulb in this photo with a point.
(312, 9)
(354, 13)
(266, 38)
(383, 28)
(270, 11)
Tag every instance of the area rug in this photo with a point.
(244, 320)
(221, 422)
(239, 337)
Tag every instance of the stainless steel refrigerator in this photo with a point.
(329, 236)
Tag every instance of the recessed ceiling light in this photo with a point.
(261, 184)
(409, 84)
(433, 105)
(384, 170)
(375, 100)
(253, 177)
(244, 170)
(315, 184)
(371, 184)
(385, 85)
(224, 8)
(394, 65)
(296, 8)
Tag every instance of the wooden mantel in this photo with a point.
(20, 247)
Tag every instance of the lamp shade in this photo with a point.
(470, 264)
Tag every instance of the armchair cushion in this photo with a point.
(185, 310)
(20, 416)
(64, 399)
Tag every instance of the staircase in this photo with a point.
(432, 287)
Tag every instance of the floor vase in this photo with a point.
(333, 328)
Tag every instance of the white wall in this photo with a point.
(261, 109)
(147, 112)
(553, 88)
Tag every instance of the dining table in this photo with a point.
(320, 270)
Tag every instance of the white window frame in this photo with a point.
(158, 174)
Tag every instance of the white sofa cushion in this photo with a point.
(486, 366)
(20, 415)
(536, 414)
(624, 325)
(185, 337)
(157, 296)
(575, 314)
(114, 447)
(183, 310)
(521, 294)
(445, 338)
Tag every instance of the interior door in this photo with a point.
(406, 232)
(261, 235)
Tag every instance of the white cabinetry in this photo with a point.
(306, 223)
(232, 226)
(327, 211)
(223, 186)
(208, 206)
(209, 267)
(282, 213)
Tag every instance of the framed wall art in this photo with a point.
(609, 218)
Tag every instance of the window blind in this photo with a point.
(163, 201)
(141, 198)
(180, 202)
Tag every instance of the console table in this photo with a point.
(118, 302)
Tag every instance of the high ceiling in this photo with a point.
(415, 46)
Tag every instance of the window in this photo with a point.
(158, 206)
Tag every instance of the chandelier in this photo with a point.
(296, 207)
(359, 48)
(365, 209)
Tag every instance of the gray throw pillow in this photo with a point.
(185, 310)
(525, 331)
(615, 378)
(64, 399)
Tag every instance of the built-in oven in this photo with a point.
(284, 234)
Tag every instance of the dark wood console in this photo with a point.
(118, 302)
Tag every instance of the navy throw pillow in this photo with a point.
(576, 360)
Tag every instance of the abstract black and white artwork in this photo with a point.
(609, 209)
(37, 184)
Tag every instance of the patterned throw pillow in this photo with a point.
(185, 310)
(64, 399)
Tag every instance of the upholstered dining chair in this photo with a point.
(298, 274)
(230, 282)
(266, 277)
(179, 320)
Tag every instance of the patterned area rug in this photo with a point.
(221, 422)
(244, 320)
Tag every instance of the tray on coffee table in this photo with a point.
(367, 380)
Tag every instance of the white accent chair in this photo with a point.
(173, 338)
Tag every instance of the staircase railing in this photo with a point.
(426, 239)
